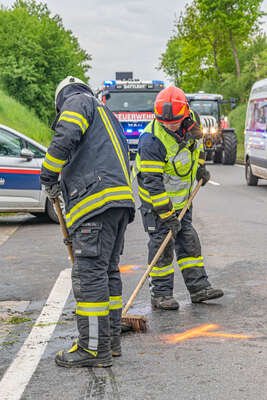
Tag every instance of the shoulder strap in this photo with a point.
(153, 128)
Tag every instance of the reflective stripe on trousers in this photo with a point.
(188, 252)
(96, 278)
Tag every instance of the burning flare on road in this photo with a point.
(129, 269)
(201, 331)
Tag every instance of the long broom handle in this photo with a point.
(63, 227)
(160, 251)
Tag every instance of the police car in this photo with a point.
(20, 166)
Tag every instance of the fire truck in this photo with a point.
(132, 101)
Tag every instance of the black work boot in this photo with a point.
(78, 357)
(205, 294)
(116, 346)
(165, 303)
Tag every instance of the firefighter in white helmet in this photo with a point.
(90, 153)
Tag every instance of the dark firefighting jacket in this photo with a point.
(166, 165)
(90, 153)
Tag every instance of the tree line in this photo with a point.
(217, 46)
(36, 53)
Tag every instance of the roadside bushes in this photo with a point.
(36, 52)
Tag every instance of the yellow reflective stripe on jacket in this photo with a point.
(162, 271)
(167, 214)
(53, 164)
(179, 198)
(115, 142)
(144, 194)
(152, 162)
(75, 118)
(161, 199)
(190, 262)
(115, 302)
(98, 200)
(178, 186)
(98, 309)
(151, 166)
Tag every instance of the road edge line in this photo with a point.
(10, 231)
(19, 373)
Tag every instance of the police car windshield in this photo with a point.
(131, 101)
(205, 107)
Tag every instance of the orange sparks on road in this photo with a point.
(201, 331)
(128, 269)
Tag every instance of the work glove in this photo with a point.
(53, 191)
(173, 225)
(203, 173)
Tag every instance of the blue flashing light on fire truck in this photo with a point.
(132, 101)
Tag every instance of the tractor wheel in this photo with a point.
(208, 155)
(251, 179)
(217, 157)
(229, 148)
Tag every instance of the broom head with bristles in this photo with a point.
(136, 323)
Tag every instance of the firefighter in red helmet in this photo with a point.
(170, 158)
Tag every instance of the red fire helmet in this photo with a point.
(171, 105)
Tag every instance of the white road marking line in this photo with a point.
(22, 368)
(239, 166)
(214, 183)
(6, 232)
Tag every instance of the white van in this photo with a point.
(256, 134)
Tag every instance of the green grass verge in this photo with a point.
(8, 343)
(18, 117)
(237, 119)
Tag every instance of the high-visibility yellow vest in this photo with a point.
(179, 168)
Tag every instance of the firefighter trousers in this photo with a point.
(188, 254)
(96, 281)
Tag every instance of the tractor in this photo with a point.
(220, 141)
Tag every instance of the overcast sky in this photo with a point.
(121, 35)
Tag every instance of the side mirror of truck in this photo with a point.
(233, 103)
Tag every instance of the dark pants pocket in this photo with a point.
(87, 240)
(149, 219)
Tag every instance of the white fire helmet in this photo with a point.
(70, 80)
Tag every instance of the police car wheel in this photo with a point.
(50, 211)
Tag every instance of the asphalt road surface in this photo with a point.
(212, 351)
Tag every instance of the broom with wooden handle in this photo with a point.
(64, 230)
(138, 323)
